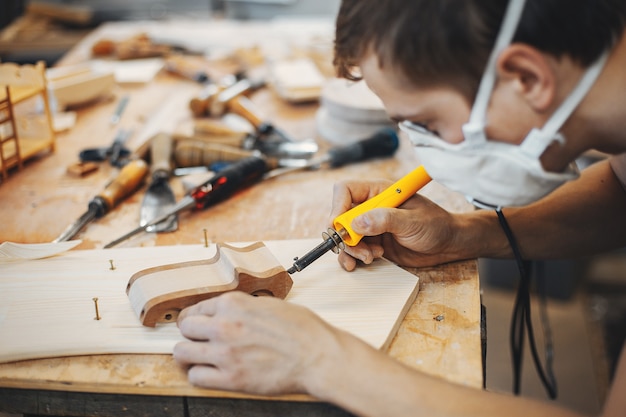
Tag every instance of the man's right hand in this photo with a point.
(418, 233)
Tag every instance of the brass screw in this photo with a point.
(206, 239)
(95, 302)
(112, 266)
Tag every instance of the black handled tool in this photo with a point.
(221, 186)
(382, 143)
(129, 178)
(117, 154)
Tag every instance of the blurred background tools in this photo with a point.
(194, 155)
(116, 154)
(127, 181)
(119, 110)
(213, 99)
(159, 198)
(383, 143)
(246, 171)
(137, 46)
(221, 186)
(190, 69)
(267, 138)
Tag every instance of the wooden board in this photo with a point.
(47, 308)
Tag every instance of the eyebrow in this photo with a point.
(399, 118)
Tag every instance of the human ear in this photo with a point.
(530, 74)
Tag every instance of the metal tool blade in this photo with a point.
(305, 149)
(276, 147)
(287, 168)
(185, 203)
(159, 200)
(73, 229)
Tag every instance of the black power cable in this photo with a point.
(521, 322)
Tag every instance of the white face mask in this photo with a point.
(497, 174)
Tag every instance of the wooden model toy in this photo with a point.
(23, 135)
(159, 294)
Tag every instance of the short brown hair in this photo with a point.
(448, 42)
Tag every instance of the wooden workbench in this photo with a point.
(440, 334)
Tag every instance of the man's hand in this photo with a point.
(259, 345)
(418, 233)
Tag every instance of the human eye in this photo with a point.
(422, 128)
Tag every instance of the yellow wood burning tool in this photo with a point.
(342, 234)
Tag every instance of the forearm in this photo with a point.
(368, 383)
(582, 217)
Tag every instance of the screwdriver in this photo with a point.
(197, 154)
(382, 143)
(341, 233)
(221, 186)
(129, 178)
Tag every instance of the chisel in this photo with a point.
(128, 180)
(200, 155)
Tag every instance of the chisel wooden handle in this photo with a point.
(243, 106)
(199, 105)
(218, 131)
(187, 67)
(190, 153)
(128, 180)
(161, 153)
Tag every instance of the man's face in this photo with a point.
(439, 110)
(443, 110)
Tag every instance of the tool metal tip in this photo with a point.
(292, 270)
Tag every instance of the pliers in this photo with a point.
(116, 154)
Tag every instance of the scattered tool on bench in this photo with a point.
(119, 110)
(193, 155)
(116, 154)
(159, 198)
(221, 186)
(127, 181)
(267, 138)
(382, 143)
(213, 99)
(245, 172)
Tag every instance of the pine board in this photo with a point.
(47, 308)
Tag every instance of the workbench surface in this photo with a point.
(39, 201)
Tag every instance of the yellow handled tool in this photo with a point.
(342, 234)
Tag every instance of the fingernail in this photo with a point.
(343, 264)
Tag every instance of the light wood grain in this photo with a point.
(47, 305)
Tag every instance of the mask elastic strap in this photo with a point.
(521, 323)
(539, 139)
(510, 22)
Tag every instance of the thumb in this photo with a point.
(374, 222)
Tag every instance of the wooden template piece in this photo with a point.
(158, 294)
(47, 307)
